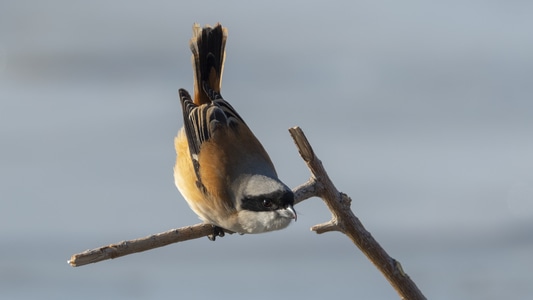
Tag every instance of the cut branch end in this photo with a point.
(326, 227)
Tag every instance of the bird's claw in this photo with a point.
(217, 231)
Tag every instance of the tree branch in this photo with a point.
(319, 185)
(345, 221)
(141, 244)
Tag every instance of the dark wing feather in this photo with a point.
(201, 122)
(231, 116)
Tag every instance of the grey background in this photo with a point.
(421, 112)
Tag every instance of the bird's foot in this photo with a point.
(217, 231)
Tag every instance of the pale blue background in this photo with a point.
(421, 112)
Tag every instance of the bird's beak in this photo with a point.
(290, 208)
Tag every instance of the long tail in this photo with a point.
(208, 49)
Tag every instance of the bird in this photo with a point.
(222, 170)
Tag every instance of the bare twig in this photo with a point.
(141, 244)
(319, 185)
(345, 221)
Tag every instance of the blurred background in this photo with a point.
(421, 112)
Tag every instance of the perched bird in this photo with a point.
(221, 169)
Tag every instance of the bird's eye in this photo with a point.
(267, 202)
